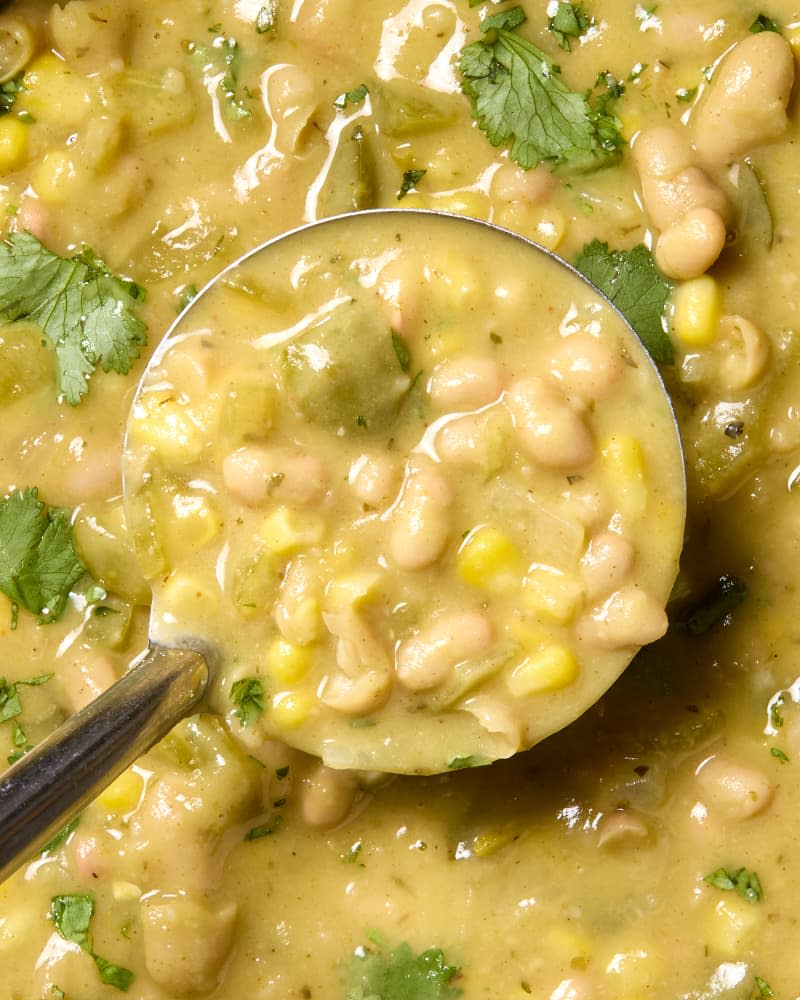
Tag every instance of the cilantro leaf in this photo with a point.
(763, 987)
(265, 829)
(746, 883)
(520, 100)
(630, 279)
(726, 594)
(569, 21)
(9, 91)
(72, 914)
(38, 561)
(219, 63)
(248, 696)
(401, 350)
(410, 180)
(86, 312)
(62, 836)
(401, 975)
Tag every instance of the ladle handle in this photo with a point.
(50, 785)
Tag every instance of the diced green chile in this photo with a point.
(345, 373)
(351, 184)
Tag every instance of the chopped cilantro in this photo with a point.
(248, 696)
(636, 71)
(519, 99)
(72, 914)
(188, 293)
(350, 857)
(630, 279)
(685, 94)
(61, 836)
(375, 974)
(570, 21)
(763, 987)
(9, 91)
(742, 881)
(778, 754)
(38, 561)
(265, 830)
(86, 312)
(775, 711)
(410, 180)
(281, 773)
(354, 96)
(402, 352)
(457, 763)
(764, 23)
(267, 17)
(220, 63)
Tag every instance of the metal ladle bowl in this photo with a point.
(54, 781)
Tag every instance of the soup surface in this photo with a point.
(647, 849)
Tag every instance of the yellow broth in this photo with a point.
(617, 858)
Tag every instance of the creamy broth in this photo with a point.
(646, 850)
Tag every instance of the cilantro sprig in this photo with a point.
(378, 974)
(38, 561)
(631, 280)
(86, 311)
(520, 99)
(741, 881)
(72, 915)
(247, 695)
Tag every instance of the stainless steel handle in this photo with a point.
(49, 786)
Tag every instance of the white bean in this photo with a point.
(297, 609)
(290, 98)
(734, 790)
(466, 383)
(743, 351)
(661, 152)
(364, 681)
(629, 617)
(356, 695)
(549, 429)
(428, 659)
(690, 246)
(622, 828)
(326, 796)
(587, 367)
(421, 523)
(91, 36)
(511, 183)
(746, 103)
(374, 478)
(255, 474)
(607, 563)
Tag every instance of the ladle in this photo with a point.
(245, 309)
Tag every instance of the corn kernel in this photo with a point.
(285, 529)
(305, 622)
(13, 143)
(51, 92)
(123, 794)
(792, 35)
(490, 560)
(639, 969)
(354, 589)
(167, 428)
(552, 594)
(55, 178)
(567, 941)
(624, 466)
(731, 925)
(286, 662)
(196, 523)
(696, 311)
(126, 892)
(549, 669)
(184, 595)
(291, 708)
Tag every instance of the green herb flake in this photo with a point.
(267, 18)
(38, 561)
(187, 295)
(354, 96)
(776, 711)
(248, 696)
(745, 883)
(265, 830)
(458, 763)
(764, 23)
(61, 837)
(569, 22)
(402, 352)
(632, 282)
(636, 71)
(410, 180)
(377, 974)
(86, 312)
(281, 773)
(72, 915)
(9, 92)
(685, 94)
(717, 606)
(763, 988)
(778, 754)
(221, 60)
(520, 101)
(350, 857)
